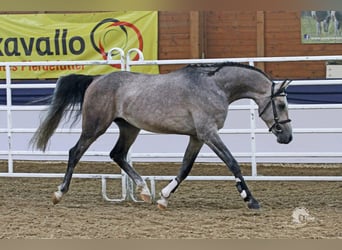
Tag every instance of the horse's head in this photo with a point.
(274, 111)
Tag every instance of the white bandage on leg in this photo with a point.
(242, 192)
(166, 191)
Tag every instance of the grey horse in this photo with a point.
(191, 101)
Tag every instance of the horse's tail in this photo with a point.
(68, 93)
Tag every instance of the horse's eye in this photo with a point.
(281, 106)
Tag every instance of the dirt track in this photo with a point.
(199, 209)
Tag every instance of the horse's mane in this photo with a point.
(219, 66)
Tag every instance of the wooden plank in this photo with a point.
(296, 70)
(173, 37)
(260, 37)
(230, 34)
(195, 34)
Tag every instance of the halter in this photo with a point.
(276, 124)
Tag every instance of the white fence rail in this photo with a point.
(333, 128)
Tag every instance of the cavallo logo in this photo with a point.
(75, 37)
(111, 33)
(105, 35)
(60, 44)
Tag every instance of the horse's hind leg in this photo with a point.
(75, 154)
(216, 144)
(189, 158)
(94, 124)
(128, 134)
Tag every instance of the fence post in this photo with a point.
(253, 139)
(9, 117)
(128, 58)
(122, 56)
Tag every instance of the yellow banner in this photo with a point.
(70, 37)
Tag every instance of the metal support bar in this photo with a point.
(9, 117)
(252, 134)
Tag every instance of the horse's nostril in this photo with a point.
(290, 138)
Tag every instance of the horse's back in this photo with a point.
(163, 103)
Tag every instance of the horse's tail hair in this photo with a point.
(69, 93)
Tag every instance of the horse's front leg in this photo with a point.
(216, 144)
(190, 155)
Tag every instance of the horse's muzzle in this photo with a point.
(284, 138)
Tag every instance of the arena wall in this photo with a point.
(224, 34)
(229, 34)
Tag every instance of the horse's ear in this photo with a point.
(285, 84)
(282, 88)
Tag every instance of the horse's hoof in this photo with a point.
(145, 193)
(161, 206)
(162, 203)
(57, 197)
(146, 197)
(253, 204)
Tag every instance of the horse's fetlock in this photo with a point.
(242, 189)
(170, 188)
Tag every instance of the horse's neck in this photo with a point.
(249, 84)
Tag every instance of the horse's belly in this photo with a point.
(165, 125)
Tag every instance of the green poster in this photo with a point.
(321, 26)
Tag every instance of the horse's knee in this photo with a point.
(112, 155)
(117, 156)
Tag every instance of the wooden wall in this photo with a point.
(173, 37)
(229, 34)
